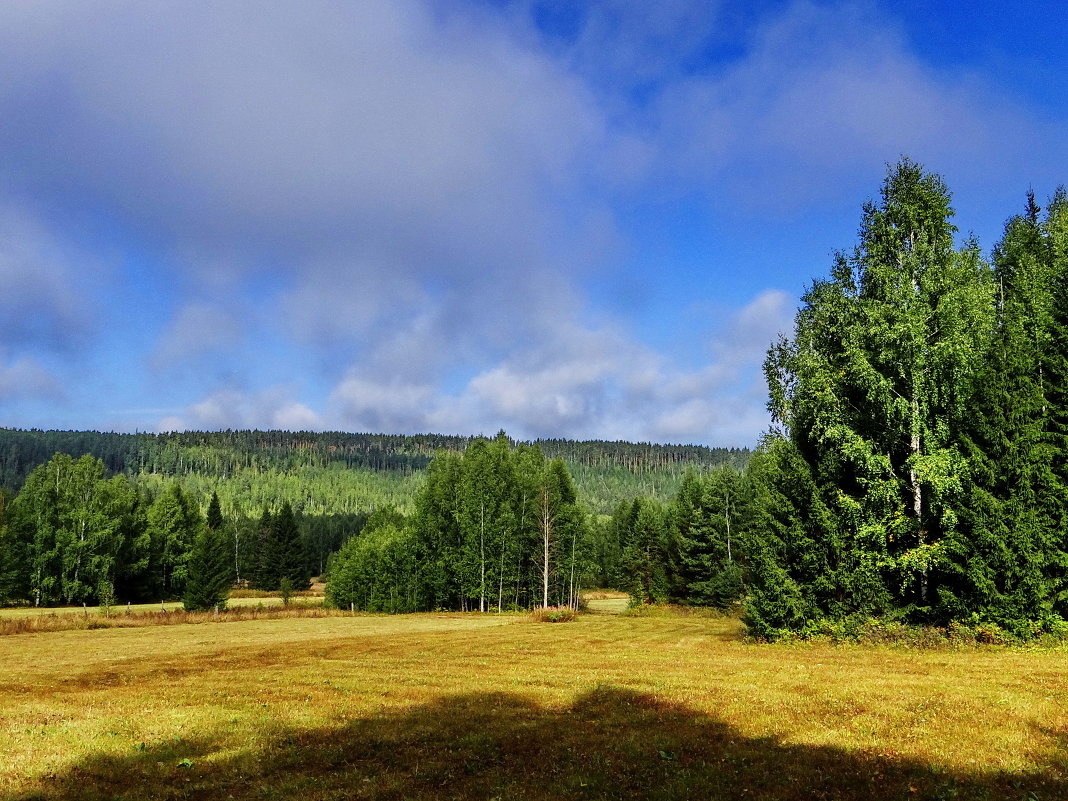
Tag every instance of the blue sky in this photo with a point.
(581, 220)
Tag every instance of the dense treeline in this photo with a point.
(496, 527)
(920, 467)
(75, 535)
(690, 551)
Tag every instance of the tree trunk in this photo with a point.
(572, 602)
(500, 576)
(482, 557)
(917, 490)
(546, 534)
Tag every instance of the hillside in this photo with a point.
(333, 473)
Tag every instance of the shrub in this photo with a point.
(554, 614)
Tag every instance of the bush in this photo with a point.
(554, 614)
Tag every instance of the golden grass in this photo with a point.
(484, 706)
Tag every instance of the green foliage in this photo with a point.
(67, 529)
(285, 590)
(375, 572)
(645, 553)
(914, 475)
(174, 521)
(13, 568)
(288, 550)
(210, 572)
(708, 524)
(214, 517)
(493, 528)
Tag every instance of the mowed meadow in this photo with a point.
(486, 706)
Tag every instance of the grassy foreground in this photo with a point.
(468, 706)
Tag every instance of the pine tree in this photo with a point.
(210, 572)
(13, 569)
(997, 563)
(288, 550)
(265, 574)
(214, 517)
(707, 523)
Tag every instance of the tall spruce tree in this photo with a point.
(264, 574)
(288, 550)
(645, 557)
(210, 572)
(998, 562)
(1055, 234)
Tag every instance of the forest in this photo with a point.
(915, 473)
(87, 517)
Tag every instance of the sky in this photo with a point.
(580, 220)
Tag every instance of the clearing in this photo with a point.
(482, 706)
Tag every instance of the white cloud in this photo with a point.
(273, 408)
(195, 330)
(362, 404)
(406, 197)
(25, 378)
(584, 383)
(40, 302)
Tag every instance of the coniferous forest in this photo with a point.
(916, 472)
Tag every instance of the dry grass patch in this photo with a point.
(257, 599)
(482, 706)
(35, 624)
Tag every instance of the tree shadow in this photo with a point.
(610, 744)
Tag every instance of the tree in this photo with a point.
(68, 523)
(708, 520)
(264, 575)
(173, 524)
(375, 571)
(873, 393)
(214, 517)
(1020, 502)
(438, 540)
(210, 572)
(645, 556)
(288, 549)
(13, 568)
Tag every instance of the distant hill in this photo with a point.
(604, 471)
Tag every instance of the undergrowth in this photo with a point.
(554, 614)
(873, 631)
(674, 610)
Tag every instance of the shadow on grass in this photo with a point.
(610, 744)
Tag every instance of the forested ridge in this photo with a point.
(220, 454)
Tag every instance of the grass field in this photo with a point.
(470, 706)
